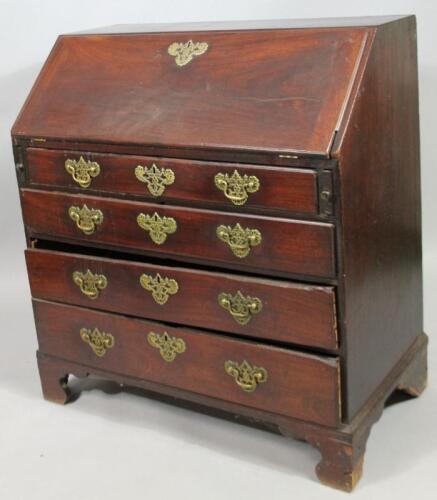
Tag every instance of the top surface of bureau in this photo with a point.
(272, 91)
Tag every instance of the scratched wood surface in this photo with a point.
(283, 317)
(287, 245)
(251, 90)
(297, 384)
(280, 190)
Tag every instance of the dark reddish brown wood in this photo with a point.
(342, 449)
(54, 379)
(291, 313)
(281, 189)
(250, 157)
(287, 245)
(280, 91)
(299, 385)
(338, 100)
(380, 278)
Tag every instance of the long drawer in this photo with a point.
(231, 186)
(277, 310)
(286, 382)
(246, 242)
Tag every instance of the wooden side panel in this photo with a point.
(297, 385)
(290, 312)
(381, 286)
(291, 246)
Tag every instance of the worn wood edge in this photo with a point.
(342, 448)
(275, 158)
(396, 379)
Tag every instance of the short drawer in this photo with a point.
(262, 244)
(224, 185)
(278, 380)
(278, 310)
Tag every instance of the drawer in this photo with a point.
(224, 185)
(286, 382)
(262, 244)
(277, 310)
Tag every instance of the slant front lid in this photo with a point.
(265, 90)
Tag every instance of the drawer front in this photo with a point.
(245, 242)
(255, 375)
(277, 310)
(225, 185)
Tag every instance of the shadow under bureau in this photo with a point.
(229, 214)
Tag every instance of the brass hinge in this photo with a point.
(326, 196)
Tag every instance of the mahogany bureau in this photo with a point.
(228, 216)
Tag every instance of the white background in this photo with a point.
(123, 446)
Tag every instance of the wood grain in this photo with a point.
(291, 313)
(342, 447)
(287, 245)
(281, 189)
(252, 90)
(380, 276)
(298, 385)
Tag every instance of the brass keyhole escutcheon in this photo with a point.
(184, 53)
(169, 347)
(99, 341)
(155, 178)
(160, 287)
(158, 227)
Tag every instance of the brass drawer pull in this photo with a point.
(156, 179)
(239, 240)
(82, 171)
(169, 347)
(185, 52)
(86, 219)
(241, 308)
(90, 284)
(161, 288)
(236, 187)
(245, 375)
(99, 341)
(158, 227)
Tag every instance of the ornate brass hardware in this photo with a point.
(241, 308)
(169, 347)
(82, 171)
(239, 240)
(245, 375)
(90, 284)
(161, 288)
(236, 187)
(185, 52)
(86, 219)
(157, 226)
(99, 341)
(155, 178)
